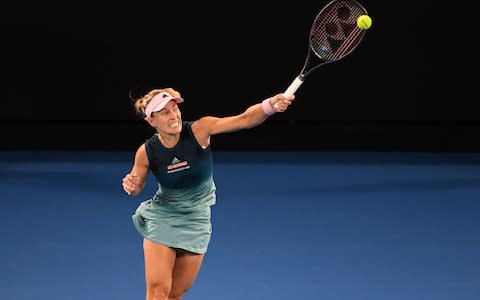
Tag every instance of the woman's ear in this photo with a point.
(150, 121)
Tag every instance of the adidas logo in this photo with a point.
(177, 165)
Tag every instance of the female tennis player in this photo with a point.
(175, 222)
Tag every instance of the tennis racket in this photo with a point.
(334, 35)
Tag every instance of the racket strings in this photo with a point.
(334, 33)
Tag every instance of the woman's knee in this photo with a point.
(158, 290)
(177, 294)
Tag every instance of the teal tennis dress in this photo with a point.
(178, 215)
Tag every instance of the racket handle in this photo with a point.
(294, 86)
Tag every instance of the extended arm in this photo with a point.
(251, 117)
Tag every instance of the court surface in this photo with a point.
(287, 225)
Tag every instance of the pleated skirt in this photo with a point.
(190, 231)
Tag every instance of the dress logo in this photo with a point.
(177, 165)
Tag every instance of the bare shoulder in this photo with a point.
(208, 126)
(202, 130)
(203, 125)
(141, 157)
(141, 150)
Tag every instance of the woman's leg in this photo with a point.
(186, 268)
(159, 263)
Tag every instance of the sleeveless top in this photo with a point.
(184, 173)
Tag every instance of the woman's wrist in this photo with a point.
(267, 107)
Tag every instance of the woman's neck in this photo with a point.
(168, 140)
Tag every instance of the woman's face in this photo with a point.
(168, 120)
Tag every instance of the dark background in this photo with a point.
(68, 67)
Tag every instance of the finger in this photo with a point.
(128, 184)
(129, 189)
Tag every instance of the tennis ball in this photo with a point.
(364, 22)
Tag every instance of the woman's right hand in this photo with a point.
(130, 183)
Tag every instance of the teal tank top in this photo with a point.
(184, 173)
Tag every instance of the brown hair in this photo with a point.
(141, 103)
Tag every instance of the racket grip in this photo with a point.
(294, 86)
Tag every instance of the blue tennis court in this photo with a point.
(287, 225)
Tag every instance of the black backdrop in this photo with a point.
(69, 65)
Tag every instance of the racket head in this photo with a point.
(334, 33)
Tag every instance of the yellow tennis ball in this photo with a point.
(364, 22)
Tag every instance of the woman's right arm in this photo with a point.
(134, 182)
(253, 116)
